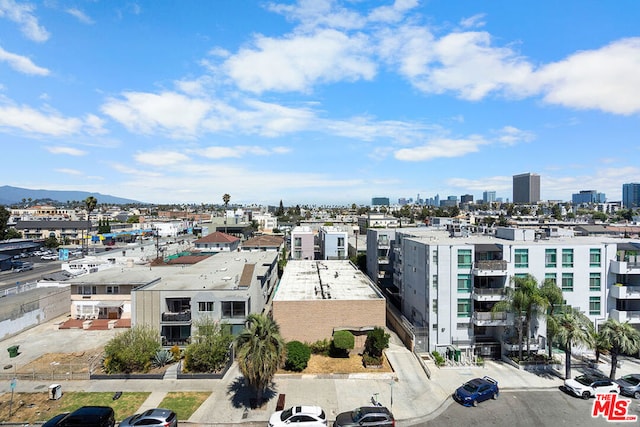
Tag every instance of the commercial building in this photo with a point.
(526, 188)
(588, 197)
(316, 298)
(380, 201)
(631, 195)
(488, 196)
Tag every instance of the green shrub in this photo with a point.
(438, 358)
(369, 360)
(132, 350)
(298, 355)
(162, 358)
(209, 349)
(343, 342)
(320, 347)
(377, 342)
(176, 352)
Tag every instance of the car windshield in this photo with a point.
(356, 415)
(584, 380)
(470, 387)
(286, 414)
(631, 379)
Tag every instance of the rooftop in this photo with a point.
(316, 280)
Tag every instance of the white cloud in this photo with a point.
(94, 125)
(607, 79)
(474, 21)
(393, 13)
(313, 14)
(80, 15)
(68, 171)
(31, 121)
(440, 148)
(160, 158)
(298, 62)
(147, 113)
(22, 63)
(511, 135)
(22, 15)
(66, 150)
(239, 151)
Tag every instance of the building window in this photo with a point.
(435, 257)
(113, 289)
(464, 307)
(434, 306)
(594, 306)
(297, 255)
(87, 290)
(594, 257)
(233, 309)
(434, 280)
(521, 258)
(567, 282)
(297, 242)
(464, 283)
(340, 241)
(464, 258)
(552, 277)
(520, 276)
(383, 239)
(341, 253)
(550, 258)
(205, 306)
(594, 282)
(567, 257)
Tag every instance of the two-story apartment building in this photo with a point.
(217, 242)
(302, 243)
(333, 242)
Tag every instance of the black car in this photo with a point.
(85, 416)
(377, 416)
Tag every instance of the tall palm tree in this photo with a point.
(225, 198)
(260, 350)
(574, 329)
(90, 203)
(553, 294)
(622, 337)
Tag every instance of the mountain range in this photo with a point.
(14, 195)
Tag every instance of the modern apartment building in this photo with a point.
(333, 242)
(526, 188)
(631, 195)
(449, 285)
(302, 243)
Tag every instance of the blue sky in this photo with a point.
(319, 101)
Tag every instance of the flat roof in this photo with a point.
(221, 271)
(326, 279)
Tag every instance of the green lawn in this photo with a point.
(126, 405)
(184, 403)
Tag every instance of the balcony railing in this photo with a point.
(498, 264)
(176, 317)
(490, 315)
(489, 291)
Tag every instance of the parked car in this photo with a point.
(85, 416)
(630, 385)
(53, 422)
(26, 266)
(477, 390)
(157, 417)
(308, 416)
(366, 416)
(588, 385)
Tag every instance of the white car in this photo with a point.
(308, 416)
(588, 385)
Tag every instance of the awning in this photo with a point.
(105, 304)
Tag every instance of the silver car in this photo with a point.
(630, 385)
(157, 417)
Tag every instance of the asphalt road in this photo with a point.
(529, 408)
(9, 278)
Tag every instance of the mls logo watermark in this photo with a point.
(612, 408)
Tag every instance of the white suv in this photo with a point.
(589, 385)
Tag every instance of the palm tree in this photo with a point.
(90, 203)
(260, 350)
(553, 294)
(574, 329)
(622, 337)
(225, 198)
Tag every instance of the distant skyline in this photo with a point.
(319, 101)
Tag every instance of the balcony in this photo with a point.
(490, 268)
(488, 318)
(488, 294)
(625, 292)
(184, 317)
(625, 267)
(632, 317)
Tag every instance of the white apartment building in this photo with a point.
(448, 285)
(302, 243)
(333, 242)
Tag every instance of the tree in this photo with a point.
(623, 338)
(280, 211)
(343, 342)
(553, 295)
(574, 329)
(209, 348)
(51, 242)
(260, 351)
(133, 219)
(90, 204)
(4, 220)
(225, 199)
(132, 350)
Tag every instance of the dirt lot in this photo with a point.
(80, 361)
(330, 365)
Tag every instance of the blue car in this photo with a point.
(477, 390)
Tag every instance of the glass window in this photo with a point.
(520, 276)
(340, 241)
(435, 257)
(113, 289)
(552, 277)
(297, 241)
(464, 307)
(434, 306)
(521, 258)
(205, 306)
(567, 282)
(550, 258)
(434, 280)
(594, 306)
(567, 257)
(464, 258)
(464, 283)
(594, 257)
(233, 309)
(594, 281)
